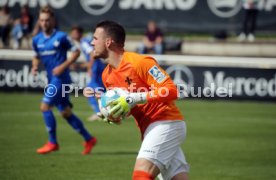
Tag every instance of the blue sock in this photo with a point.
(93, 102)
(50, 123)
(76, 123)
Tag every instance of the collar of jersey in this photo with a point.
(47, 37)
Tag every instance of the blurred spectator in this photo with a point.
(5, 25)
(152, 40)
(250, 19)
(26, 21)
(17, 33)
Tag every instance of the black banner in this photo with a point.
(192, 81)
(171, 15)
(224, 82)
(15, 75)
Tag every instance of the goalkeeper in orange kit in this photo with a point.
(162, 126)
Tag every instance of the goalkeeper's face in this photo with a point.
(100, 44)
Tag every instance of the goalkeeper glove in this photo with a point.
(106, 119)
(122, 106)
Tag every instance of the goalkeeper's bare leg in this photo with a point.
(146, 166)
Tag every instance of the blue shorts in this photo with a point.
(53, 95)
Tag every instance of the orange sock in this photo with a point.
(141, 175)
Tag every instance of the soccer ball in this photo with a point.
(106, 98)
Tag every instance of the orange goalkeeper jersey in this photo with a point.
(141, 73)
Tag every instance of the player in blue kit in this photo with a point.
(95, 67)
(50, 47)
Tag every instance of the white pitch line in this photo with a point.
(38, 113)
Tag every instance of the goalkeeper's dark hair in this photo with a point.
(115, 31)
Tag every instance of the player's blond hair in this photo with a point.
(47, 10)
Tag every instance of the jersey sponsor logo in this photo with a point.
(225, 8)
(157, 74)
(47, 53)
(157, 4)
(96, 7)
(35, 3)
(40, 45)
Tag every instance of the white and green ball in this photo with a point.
(106, 98)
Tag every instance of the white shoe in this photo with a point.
(251, 38)
(242, 37)
(94, 117)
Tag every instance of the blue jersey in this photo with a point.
(86, 48)
(52, 51)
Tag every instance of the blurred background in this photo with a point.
(211, 44)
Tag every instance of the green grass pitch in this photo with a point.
(226, 140)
